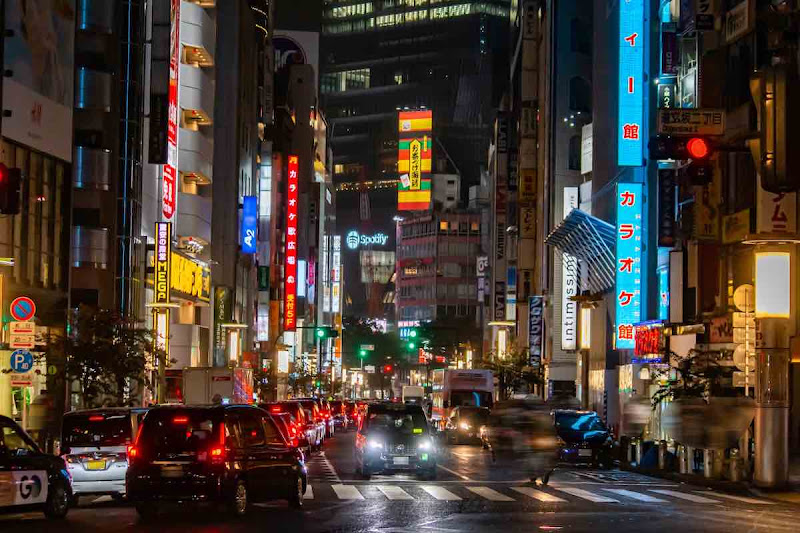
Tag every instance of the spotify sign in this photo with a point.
(354, 239)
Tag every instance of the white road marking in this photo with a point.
(465, 478)
(735, 498)
(538, 494)
(309, 494)
(347, 492)
(636, 496)
(440, 493)
(586, 495)
(490, 494)
(393, 492)
(684, 496)
(331, 471)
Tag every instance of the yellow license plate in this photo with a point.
(95, 465)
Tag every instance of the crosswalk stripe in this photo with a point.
(309, 494)
(490, 494)
(636, 496)
(393, 492)
(440, 493)
(735, 498)
(684, 496)
(586, 495)
(538, 494)
(347, 492)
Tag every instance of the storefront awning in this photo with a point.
(592, 241)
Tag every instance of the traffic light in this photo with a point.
(362, 353)
(696, 150)
(413, 334)
(387, 369)
(326, 332)
(10, 184)
(412, 345)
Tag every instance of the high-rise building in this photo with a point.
(381, 57)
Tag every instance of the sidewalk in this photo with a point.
(792, 492)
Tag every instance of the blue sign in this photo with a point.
(21, 361)
(630, 237)
(632, 85)
(249, 224)
(663, 292)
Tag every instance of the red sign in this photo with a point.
(169, 190)
(23, 309)
(649, 340)
(290, 261)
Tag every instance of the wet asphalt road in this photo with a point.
(470, 494)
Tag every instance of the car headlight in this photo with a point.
(465, 426)
(426, 445)
(375, 444)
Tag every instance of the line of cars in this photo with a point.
(230, 454)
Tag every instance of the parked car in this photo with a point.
(314, 412)
(229, 454)
(395, 437)
(308, 432)
(30, 479)
(94, 443)
(352, 412)
(288, 428)
(339, 414)
(467, 425)
(582, 437)
(327, 415)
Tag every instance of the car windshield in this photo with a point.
(579, 422)
(397, 422)
(470, 399)
(180, 432)
(97, 430)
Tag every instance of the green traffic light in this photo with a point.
(320, 332)
(412, 345)
(362, 353)
(412, 333)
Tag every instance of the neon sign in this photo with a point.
(630, 206)
(290, 260)
(631, 90)
(354, 240)
(249, 224)
(169, 185)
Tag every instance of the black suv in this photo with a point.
(395, 437)
(231, 454)
(583, 437)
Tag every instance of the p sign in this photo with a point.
(21, 361)
(23, 309)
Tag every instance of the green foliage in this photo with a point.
(699, 375)
(107, 355)
(513, 373)
(444, 336)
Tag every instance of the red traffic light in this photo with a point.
(387, 369)
(698, 148)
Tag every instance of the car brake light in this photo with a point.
(180, 420)
(275, 409)
(96, 418)
(133, 452)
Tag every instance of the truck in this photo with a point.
(413, 394)
(229, 385)
(457, 388)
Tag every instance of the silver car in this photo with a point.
(95, 445)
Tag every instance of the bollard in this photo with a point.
(708, 463)
(662, 455)
(735, 465)
(683, 459)
(689, 460)
(638, 451)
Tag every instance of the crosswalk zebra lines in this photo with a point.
(552, 494)
(328, 472)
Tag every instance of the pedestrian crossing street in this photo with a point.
(505, 493)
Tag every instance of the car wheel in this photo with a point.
(296, 494)
(147, 510)
(58, 501)
(118, 497)
(75, 500)
(239, 501)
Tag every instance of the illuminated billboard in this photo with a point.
(414, 160)
(169, 186)
(163, 262)
(249, 224)
(290, 265)
(631, 84)
(630, 238)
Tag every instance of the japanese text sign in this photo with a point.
(678, 121)
(290, 266)
(631, 90)
(163, 263)
(169, 186)
(630, 236)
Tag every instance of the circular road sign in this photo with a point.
(21, 361)
(23, 309)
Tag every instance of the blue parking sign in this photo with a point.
(21, 361)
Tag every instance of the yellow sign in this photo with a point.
(190, 278)
(162, 261)
(415, 165)
(527, 185)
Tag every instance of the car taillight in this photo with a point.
(180, 420)
(275, 409)
(96, 418)
(133, 453)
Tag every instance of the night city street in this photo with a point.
(470, 494)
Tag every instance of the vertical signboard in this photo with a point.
(632, 88)
(290, 260)
(535, 330)
(163, 265)
(336, 269)
(667, 202)
(500, 206)
(569, 283)
(776, 213)
(414, 159)
(169, 186)
(222, 315)
(630, 236)
(249, 224)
